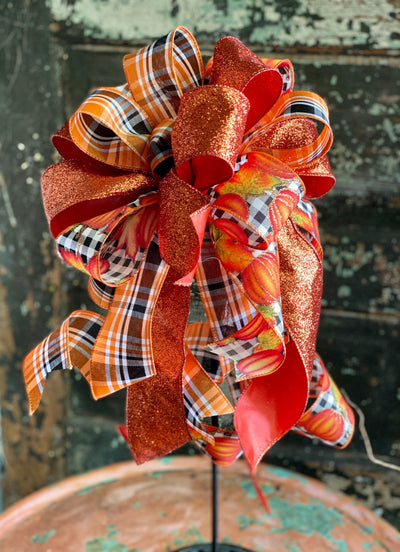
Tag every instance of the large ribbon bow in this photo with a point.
(184, 172)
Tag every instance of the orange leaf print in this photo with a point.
(248, 181)
(105, 219)
(271, 164)
(234, 204)
(137, 230)
(232, 229)
(147, 225)
(262, 172)
(261, 279)
(261, 363)
(73, 260)
(281, 208)
(302, 220)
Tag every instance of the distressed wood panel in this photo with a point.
(32, 293)
(301, 24)
(364, 103)
(361, 240)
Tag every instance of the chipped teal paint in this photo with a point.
(344, 22)
(341, 546)
(155, 475)
(90, 488)
(368, 529)
(392, 130)
(112, 531)
(107, 544)
(43, 538)
(249, 489)
(371, 547)
(309, 519)
(251, 492)
(194, 533)
(136, 505)
(102, 544)
(344, 291)
(286, 474)
(167, 460)
(245, 521)
(179, 541)
(293, 548)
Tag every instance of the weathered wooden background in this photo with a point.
(51, 53)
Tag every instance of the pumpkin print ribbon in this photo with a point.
(189, 172)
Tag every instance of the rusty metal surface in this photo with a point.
(164, 506)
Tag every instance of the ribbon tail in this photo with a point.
(122, 353)
(301, 290)
(182, 221)
(273, 404)
(67, 347)
(156, 421)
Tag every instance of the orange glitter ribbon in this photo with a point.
(184, 172)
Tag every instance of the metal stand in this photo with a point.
(214, 546)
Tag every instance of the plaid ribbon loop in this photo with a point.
(174, 178)
(129, 126)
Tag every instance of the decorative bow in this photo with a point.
(189, 171)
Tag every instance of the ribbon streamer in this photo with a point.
(181, 173)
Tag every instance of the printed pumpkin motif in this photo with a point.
(261, 363)
(224, 450)
(326, 424)
(281, 208)
(233, 203)
(261, 279)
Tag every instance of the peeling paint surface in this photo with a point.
(310, 23)
(304, 514)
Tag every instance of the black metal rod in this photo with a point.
(214, 507)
